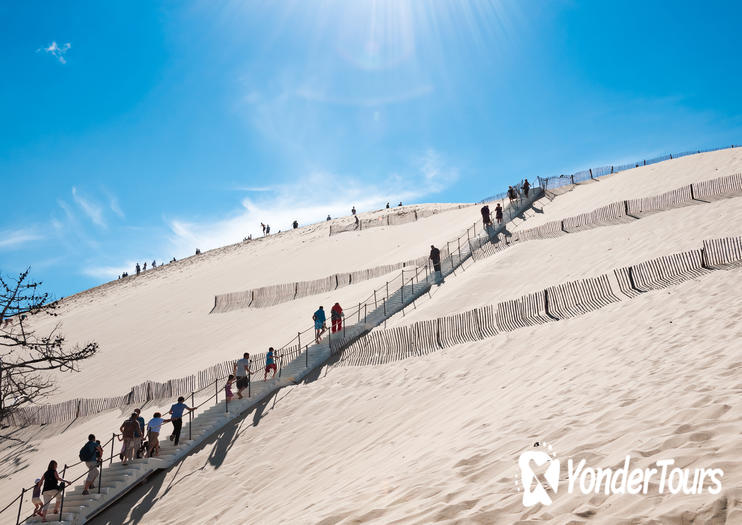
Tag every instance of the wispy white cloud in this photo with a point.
(90, 208)
(310, 200)
(108, 273)
(113, 203)
(437, 175)
(11, 239)
(57, 51)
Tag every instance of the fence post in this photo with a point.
(402, 288)
(190, 419)
(61, 505)
(216, 391)
(365, 315)
(591, 173)
(100, 477)
(20, 507)
(359, 313)
(387, 297)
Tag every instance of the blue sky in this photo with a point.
(136, 131)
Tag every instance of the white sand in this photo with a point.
(643, 181)
(531, 266)
(157, 326)
(436, 438)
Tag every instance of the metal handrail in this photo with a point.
(281, 353)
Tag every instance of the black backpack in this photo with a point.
(87, 453)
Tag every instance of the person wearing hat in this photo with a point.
(36, 497)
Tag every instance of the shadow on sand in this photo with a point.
(133, 508)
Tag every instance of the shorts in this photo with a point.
(49, 495)
(270, 367)
(319, 325)
(243, 382)
(37, 501)
(92, 471)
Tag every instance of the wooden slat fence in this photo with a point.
(723, 253)
(391, 219)
(718, 187)
(565, 301)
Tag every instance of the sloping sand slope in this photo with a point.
(641, 182)
(533, 265)
(437, 438)
(157, 326)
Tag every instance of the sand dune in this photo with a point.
(534, 265)
(435, 439)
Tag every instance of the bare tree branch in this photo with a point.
(24, 355)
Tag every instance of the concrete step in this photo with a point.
(67, 517)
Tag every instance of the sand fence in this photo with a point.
(555, 303)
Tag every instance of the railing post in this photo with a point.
(61, 505)
(365, 314)
(306, 353)
(190, 420)
(113, 438)
(100, 475)
(359, 313)
(298, 339)
(216, 391)
(375, 306)
(402, 288)
(20, 507)
(387, 297)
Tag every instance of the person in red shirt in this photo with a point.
(336, 314)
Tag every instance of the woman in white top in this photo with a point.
(153, 434)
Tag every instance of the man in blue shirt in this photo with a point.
(176, 413)
(319, 323)
(270, 363)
